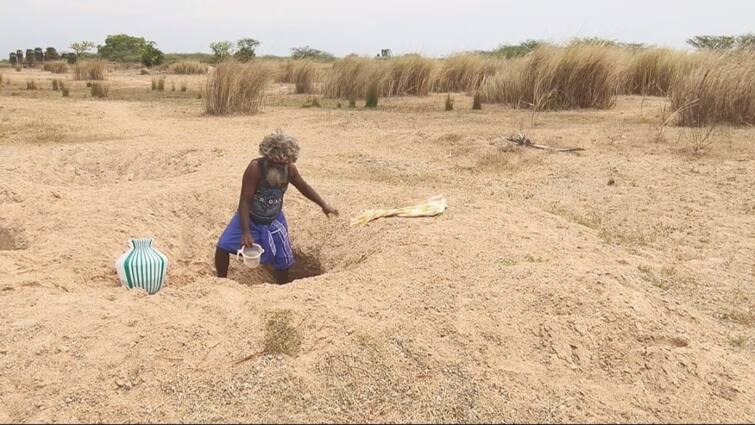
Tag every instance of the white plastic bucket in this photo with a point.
(250, 255)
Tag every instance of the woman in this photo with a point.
(260, 218)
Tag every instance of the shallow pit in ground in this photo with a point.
(80, 167)
(307, 264)
(11, 240)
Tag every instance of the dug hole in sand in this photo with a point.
(541, 294)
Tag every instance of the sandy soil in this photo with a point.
(544, 293)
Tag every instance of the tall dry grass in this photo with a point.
(91, 70)
(409, 75)
(351, 77)
(57, 67)
(650, 72)
(236, 88)
(99, 90)
(464, 72)
(555, 78)
(302, 73)
(721, 90)
(186, 68)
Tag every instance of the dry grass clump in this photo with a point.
(347, 79)
(650, 72)
(99, 90)
(351, 77)
(720, 91)
(187, 68)
(31, 85)
(553, 78)
(66, 91)
(464, 73)
(302, 73)
(449, 105)
(477, 102)
(184, 86)
(236, 88)
(58, 67)
(92, 70)
(409, 75)
(281, 335)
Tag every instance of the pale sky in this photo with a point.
(432, 28)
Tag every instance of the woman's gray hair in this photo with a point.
(280, 147)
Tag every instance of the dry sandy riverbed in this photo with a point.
(544, 293)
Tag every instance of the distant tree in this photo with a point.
(151, 55)
(245, 49)
(593, 41)
(123, 48)
(723, 42)
(82, 47)
(307, 52)
(597, 41)
(222, 49)
(514, 50)
(712, 42)
(746, 41)
(71, 57)
(51, 54)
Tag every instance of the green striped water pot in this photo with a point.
(142, 266)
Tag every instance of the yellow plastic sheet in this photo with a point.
(431, 207)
